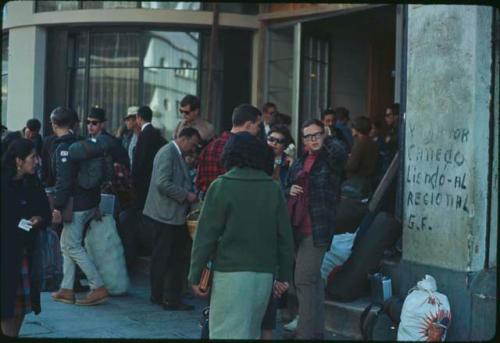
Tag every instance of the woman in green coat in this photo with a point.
(244, 229)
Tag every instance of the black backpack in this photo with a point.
(95, 165)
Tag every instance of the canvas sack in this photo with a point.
(426, 313)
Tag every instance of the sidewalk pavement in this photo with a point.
(128, 316)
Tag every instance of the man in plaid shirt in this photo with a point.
(246, 118)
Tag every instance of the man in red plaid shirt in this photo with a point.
(246, 118)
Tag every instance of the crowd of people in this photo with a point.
(268, 208)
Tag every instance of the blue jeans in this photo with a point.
(73, 251)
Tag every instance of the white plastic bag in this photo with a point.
(106, 251)
(426, 313)
(339, 252)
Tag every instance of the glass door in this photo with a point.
(314, 85)
(283, 73)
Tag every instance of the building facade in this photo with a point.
(439, 62)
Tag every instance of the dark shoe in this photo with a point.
(177, 307)
(154, 300)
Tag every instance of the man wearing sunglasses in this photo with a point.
(313, 186)
(190, 111)
(96, 123)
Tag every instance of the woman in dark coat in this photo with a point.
(23, 197)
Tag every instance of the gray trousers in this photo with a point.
(310, 290)
(73, 251)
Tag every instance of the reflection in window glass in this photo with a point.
(108, 4)
(172, 49)
(45, 6)
(280, 68)
(115, 49)
(78, 92)
(172, 5)
(233, 7)
(5, 54)
(163, 87)
(114, 89)
(5, 78)
(77, 50)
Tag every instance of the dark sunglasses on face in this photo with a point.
(93, 122)
(272, 139)
(313, 136)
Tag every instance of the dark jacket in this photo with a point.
(21, 199)
(363, 159)
(324, 186)
(118, 153)
(149, 142)
(65, 172)
(48, 177)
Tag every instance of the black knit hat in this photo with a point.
(245, 150)
(97, 113)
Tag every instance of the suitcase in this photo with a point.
(351, 281)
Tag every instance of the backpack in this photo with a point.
(95, 166)
(51, 261)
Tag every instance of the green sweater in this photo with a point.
(244, 223)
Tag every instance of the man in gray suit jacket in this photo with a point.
(167, 203)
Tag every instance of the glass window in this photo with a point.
(116, 78)
(5, 69)
(171, 49)
(77, 50)
(46, 6)
(114, 89)
(281, 68)
(108, 4)
(78, 92)
(115, 49)
(172, 5)
(234, 7)
(167, 86)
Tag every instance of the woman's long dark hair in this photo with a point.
(20, 148)
(245, 150)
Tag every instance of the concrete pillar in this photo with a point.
(447, 136)
(26, 81)
(447, 161)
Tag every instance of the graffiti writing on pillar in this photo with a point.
(436, 176)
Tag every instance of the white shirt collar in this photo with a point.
(177, 147)
(144, 125)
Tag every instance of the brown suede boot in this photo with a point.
(64, 295)
(94, 297)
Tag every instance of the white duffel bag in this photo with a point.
(339, 252)
(426, 314)
(106, 251)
